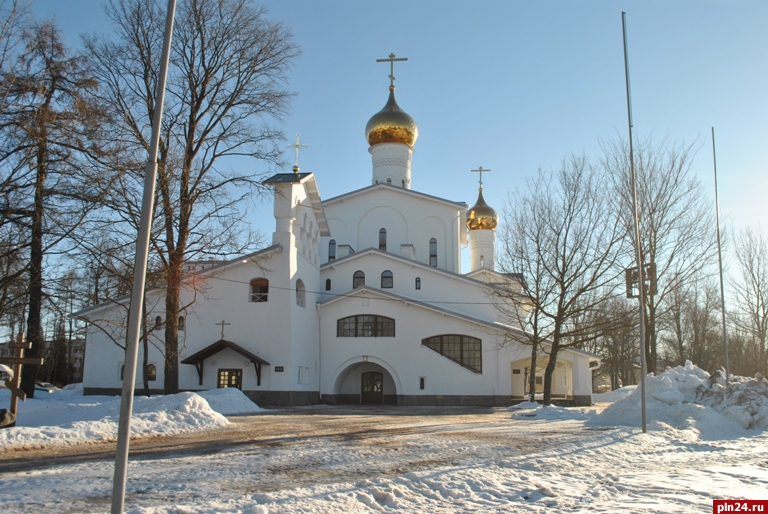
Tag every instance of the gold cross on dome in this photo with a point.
(223, 323)
(297, 146)
(391, 59)
(480, 170)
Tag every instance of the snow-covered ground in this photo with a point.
(703, 443)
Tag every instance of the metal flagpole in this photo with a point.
(139, 274)
(720, 262)
(638, 250)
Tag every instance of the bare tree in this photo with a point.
(690, 327)
(750, 290)
(227, 77)
(565, 239)
(46, 127)
(676, 220)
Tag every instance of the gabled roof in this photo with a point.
(409, 300)
(221, 265)
(494, 325)
(222, 344)
(389, 187)
(410, 262)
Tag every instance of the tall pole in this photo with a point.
(139, 276)
(720, 262)
(638, 250)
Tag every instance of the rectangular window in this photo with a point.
(259, 290)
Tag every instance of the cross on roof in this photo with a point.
(297, 146)
(391, 59)
(223, 323)
(480, 170)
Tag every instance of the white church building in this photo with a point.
(359, 299)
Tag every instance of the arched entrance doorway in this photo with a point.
(365, 382)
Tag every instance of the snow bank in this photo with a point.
(534, 410)
(67, 418)
(688, 397)
(229, 401)
(615, 395)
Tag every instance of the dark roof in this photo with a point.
(286, 178)
(222, 344)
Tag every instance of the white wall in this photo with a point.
(405, 354)
(355, 220)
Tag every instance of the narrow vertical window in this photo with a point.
(158, 322)
(332, 250)
(482, 261)
(182, 323)
(358, 279)
(327, 284)
(383, 240)
(433, 252)
(422, 382)
(418, 282)
(387, 279)
(300, 293)
(151, 372)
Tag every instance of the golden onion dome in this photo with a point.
(391, 125)
(482, 216)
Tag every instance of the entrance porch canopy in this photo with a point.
(198, 359)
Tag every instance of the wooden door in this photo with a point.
(231, 378)
(372, 388)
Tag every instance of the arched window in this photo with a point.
(387, 279)
(182, 323)
(383, 240)
(482, 261)
(300, 293)
(358, 279)
(327, 284)
(433, 252)
(389, 181)
(463, 350)
(418, 282)
(332, 250)
(151, 372)
(158, 322)
(403, 182)
(365, 325)
(259, 290)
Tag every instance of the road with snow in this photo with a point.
(703, 443)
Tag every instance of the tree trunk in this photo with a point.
(34, 317)
(145, 341)
(172, 296)
(532, 374)
(548, 372)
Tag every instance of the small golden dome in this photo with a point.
(482, 216)
(391, 125)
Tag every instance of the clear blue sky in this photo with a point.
(513, 86)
